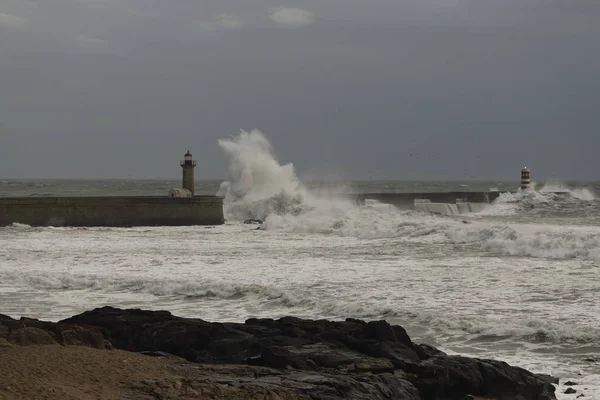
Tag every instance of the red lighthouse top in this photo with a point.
(188, 154)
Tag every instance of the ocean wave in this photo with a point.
(16, 227)
(301, 301)
(547, 201)
(482, 329)
(157, 287)
(259, 186)
(531, 240)
(579, 193)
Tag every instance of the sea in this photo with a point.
(518, 281)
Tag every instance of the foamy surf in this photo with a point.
(304, 300)
(541, 241)
(584, 194)
(261, 188)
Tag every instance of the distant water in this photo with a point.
(518, 281)
(151, 187)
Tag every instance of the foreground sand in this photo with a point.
(54, 372)
(75, 372)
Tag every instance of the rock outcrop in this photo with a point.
(28, 331)
(305, 359)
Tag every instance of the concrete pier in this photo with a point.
(407, 200)
(117, 211)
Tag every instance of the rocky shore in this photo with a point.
(109, 353)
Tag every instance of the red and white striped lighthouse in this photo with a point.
(525, 178)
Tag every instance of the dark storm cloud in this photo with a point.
(428, 89)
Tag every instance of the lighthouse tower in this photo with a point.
(188, 166)
(525, 178)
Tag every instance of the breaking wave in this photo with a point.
(178, 288)
(547, 201)
(483, 329)
(301, 301)
(540, 241)
(584, 194)
(259, 186)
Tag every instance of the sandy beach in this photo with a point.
(54, 372)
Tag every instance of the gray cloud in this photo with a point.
(222, 21)
(291, 17)
(91, 42)
(8, 20)
(391, 90)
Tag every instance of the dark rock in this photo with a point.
(426, 351)
(453, 376)
(570, 383)
(247, 382)
(581, 395)
(548, 378)
(570, 391)
(29, 335)
(27, 331)
(345, 359)
(590, 359)
(253, 221)
(158, 354)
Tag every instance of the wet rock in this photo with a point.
(426, 351)
(29, 335)
(27, 331)
(337, 360)
(570, 383)
(158, 354)
(548, 378)
(253, 221)
(570, 391)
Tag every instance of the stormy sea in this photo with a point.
(517, 281)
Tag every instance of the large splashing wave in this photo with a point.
(259, 186)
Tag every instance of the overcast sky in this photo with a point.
(378, 89)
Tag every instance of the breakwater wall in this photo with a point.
(449, 209)
(117, 211)
(407, 200)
